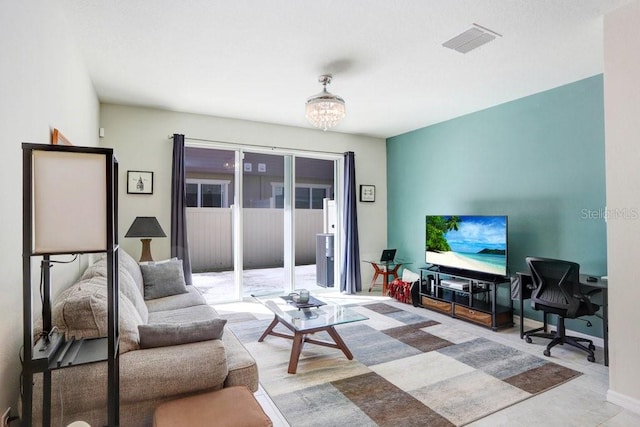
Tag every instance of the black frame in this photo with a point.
(131, 189)
(107, 348)
(367, 193)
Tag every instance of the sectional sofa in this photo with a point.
(172, 344)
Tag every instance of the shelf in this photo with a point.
(464, 301)
(475, 290)
(79, 352)
(52, 352)
(465, 304)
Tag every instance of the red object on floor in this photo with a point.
(400, 290)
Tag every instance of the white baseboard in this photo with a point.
(624, 401)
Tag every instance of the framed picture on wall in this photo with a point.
(139, 182)
(367, 193)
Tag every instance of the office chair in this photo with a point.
(557, 291)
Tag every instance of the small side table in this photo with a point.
(384, 269)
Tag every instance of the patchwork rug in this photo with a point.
(407, 370)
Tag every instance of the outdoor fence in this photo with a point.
(211, 237)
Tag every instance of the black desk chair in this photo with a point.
(557, 291)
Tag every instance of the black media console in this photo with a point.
(465, 295)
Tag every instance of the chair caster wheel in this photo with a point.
(528, 340)
(546, 353)
(592, 347)
(591, 358)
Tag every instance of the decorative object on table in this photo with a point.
(325, 109)
(294, 299)
(139, 182)
(367, 193)
(145, 227)
(303, 296)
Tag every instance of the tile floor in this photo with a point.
(580, 402)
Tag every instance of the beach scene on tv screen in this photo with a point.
(476, 243)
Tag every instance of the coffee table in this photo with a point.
(307, 321)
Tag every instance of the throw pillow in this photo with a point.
(166, 334)
(409, 276)
(157, 262)
(163, 280)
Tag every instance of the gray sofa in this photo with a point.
(151, 369)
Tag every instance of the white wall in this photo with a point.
(622, 127)
(140, 139)
(43, 84)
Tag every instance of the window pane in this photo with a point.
(192, 195)
(302, 198)
(317, 194)
(211, 195)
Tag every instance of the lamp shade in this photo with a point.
(145, 226)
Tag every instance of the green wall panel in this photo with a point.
(539, 160)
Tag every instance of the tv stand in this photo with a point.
(466, 295)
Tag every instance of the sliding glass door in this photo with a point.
(263, 225)
(211, 193)
(255, 220)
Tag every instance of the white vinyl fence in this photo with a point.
(211, 239)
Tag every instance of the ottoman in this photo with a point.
(228, 407)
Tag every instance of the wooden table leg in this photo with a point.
(339, 342)
(376, 272)
(267, 331)
(387, 273)
(298, 341)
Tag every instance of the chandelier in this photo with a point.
(325, 109)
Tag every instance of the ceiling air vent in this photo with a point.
(474, 37)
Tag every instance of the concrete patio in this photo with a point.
(219, 287)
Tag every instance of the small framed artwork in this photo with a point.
(367, 193)
(139, 182)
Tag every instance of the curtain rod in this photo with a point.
(263, 147)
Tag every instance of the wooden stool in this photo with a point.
(229, 407)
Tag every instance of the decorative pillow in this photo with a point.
(163, 280)
(166, 334)
(131, 265)
(126, 261)
(81, 311)
(128, 287)
(157, 262)
(409, 276)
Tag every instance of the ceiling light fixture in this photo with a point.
(325, 109)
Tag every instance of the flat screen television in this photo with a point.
(468, 242)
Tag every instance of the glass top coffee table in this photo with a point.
(307, 321)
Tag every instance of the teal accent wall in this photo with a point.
(538, 159)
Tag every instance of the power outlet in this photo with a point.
(5, 417)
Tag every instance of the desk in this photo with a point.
(526, 286)
(384, 269)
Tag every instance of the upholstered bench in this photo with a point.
(228, 407)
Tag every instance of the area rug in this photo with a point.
(407, 370)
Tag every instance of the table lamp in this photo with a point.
(145, 227)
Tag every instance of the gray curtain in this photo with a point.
(179, 238)
(350, 279)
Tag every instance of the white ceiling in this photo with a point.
(259, 60)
